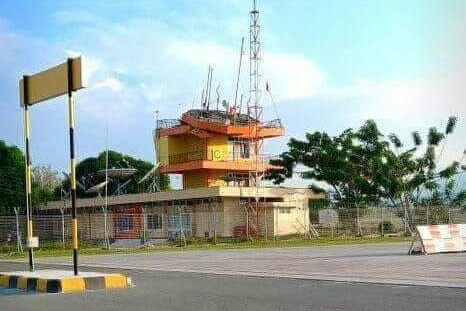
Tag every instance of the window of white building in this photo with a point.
(154, 221)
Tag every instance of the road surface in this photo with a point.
(253, 280)
(376, 263)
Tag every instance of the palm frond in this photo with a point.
(450, 170)
(430, 157)
(451, 124)
(435, 137)
(395, 140)
(417, 139)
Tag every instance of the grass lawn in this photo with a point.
(9, 252)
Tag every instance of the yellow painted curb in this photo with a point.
(4, 280)
(72, 285)
(41, 285)
(65, 284)
(116, 281)
(22, 282)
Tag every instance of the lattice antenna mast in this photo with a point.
(155, 177)
(255, 91)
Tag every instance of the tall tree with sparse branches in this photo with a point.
(364, 167)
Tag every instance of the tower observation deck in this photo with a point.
(213, 147)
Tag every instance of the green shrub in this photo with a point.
(8, 248)
(438, 215)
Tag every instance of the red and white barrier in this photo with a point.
(440, 239)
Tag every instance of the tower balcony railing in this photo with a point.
(214, 155)
(220, 117)
(167, 123)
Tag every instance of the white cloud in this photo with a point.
(168, 68)
(290, 76)
(419, 100)
(111, 83)
(153, 93)
(76, 17)
(403, 106)
(111, 102)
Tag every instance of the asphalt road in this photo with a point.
(376, 263)
(375, 277)
(157, 290)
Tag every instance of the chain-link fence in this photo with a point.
(121, 229)
(381, 220)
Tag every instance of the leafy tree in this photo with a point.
(46, 184)
(45, 181)
(363, 167)
(345, 162)
(422, 181)
(12, 178)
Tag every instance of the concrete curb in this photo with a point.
(64, 284)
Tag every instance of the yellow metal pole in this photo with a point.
(28, 178)
(74, 220)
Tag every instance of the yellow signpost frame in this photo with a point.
(59, 80)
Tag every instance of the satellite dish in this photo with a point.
(97, 188)
(120, 176)
(80, 185)
(118, 173)
(150, 173)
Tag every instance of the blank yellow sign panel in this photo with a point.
(53, 82)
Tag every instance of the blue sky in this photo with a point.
(331, 65)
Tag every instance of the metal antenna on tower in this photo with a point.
(254, 60)
(156, 149)
(254, 105)
(239, 72)
(209, 88)
(206, 94)
(155, 185)
(255, 114)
